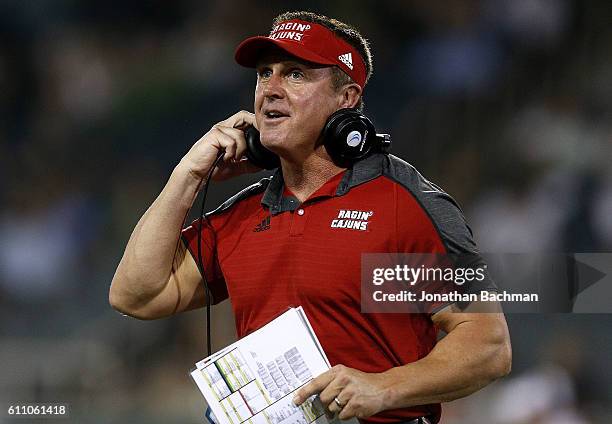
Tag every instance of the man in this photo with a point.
(272, 246)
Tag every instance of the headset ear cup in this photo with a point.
(256, 153)
(348, 137)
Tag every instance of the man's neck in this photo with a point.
(306, 177)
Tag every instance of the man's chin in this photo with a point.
(271, 141)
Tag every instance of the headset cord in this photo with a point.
(203, 217)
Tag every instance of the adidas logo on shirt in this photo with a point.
(347, 59)
(263, 225)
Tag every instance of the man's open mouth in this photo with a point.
(274, 114)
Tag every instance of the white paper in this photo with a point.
(253, 380)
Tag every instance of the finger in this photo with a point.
(329, 393)
(333, 405)
(238, 136)
(240, 120)
(316, 385)
(347, 412)
(224, 142)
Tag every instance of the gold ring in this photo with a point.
(338, 403)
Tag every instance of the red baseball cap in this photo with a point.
(309, 41)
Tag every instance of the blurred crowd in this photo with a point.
(507, 104)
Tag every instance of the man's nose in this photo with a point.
(274, 87)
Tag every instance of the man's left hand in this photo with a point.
(360, 394)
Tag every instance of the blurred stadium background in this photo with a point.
(507, 104)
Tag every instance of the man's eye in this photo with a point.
(296, 74)
(266, 73)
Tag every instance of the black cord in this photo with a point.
(203, 217)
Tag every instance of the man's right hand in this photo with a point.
(157, 276)
(227, 136)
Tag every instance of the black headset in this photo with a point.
(348, 136)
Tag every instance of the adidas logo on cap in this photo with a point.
(347, 59)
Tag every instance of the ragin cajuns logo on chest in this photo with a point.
(289, 31)
(352, 220)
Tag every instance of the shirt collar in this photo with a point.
(361, 172)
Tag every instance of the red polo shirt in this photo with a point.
(269, 252)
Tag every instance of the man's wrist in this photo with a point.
(184, 169)
(394, 389)
(186, 181)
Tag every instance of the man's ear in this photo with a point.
(351, 93)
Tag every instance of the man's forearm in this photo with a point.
(147, 261)
(471, 356)
(475, 352)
